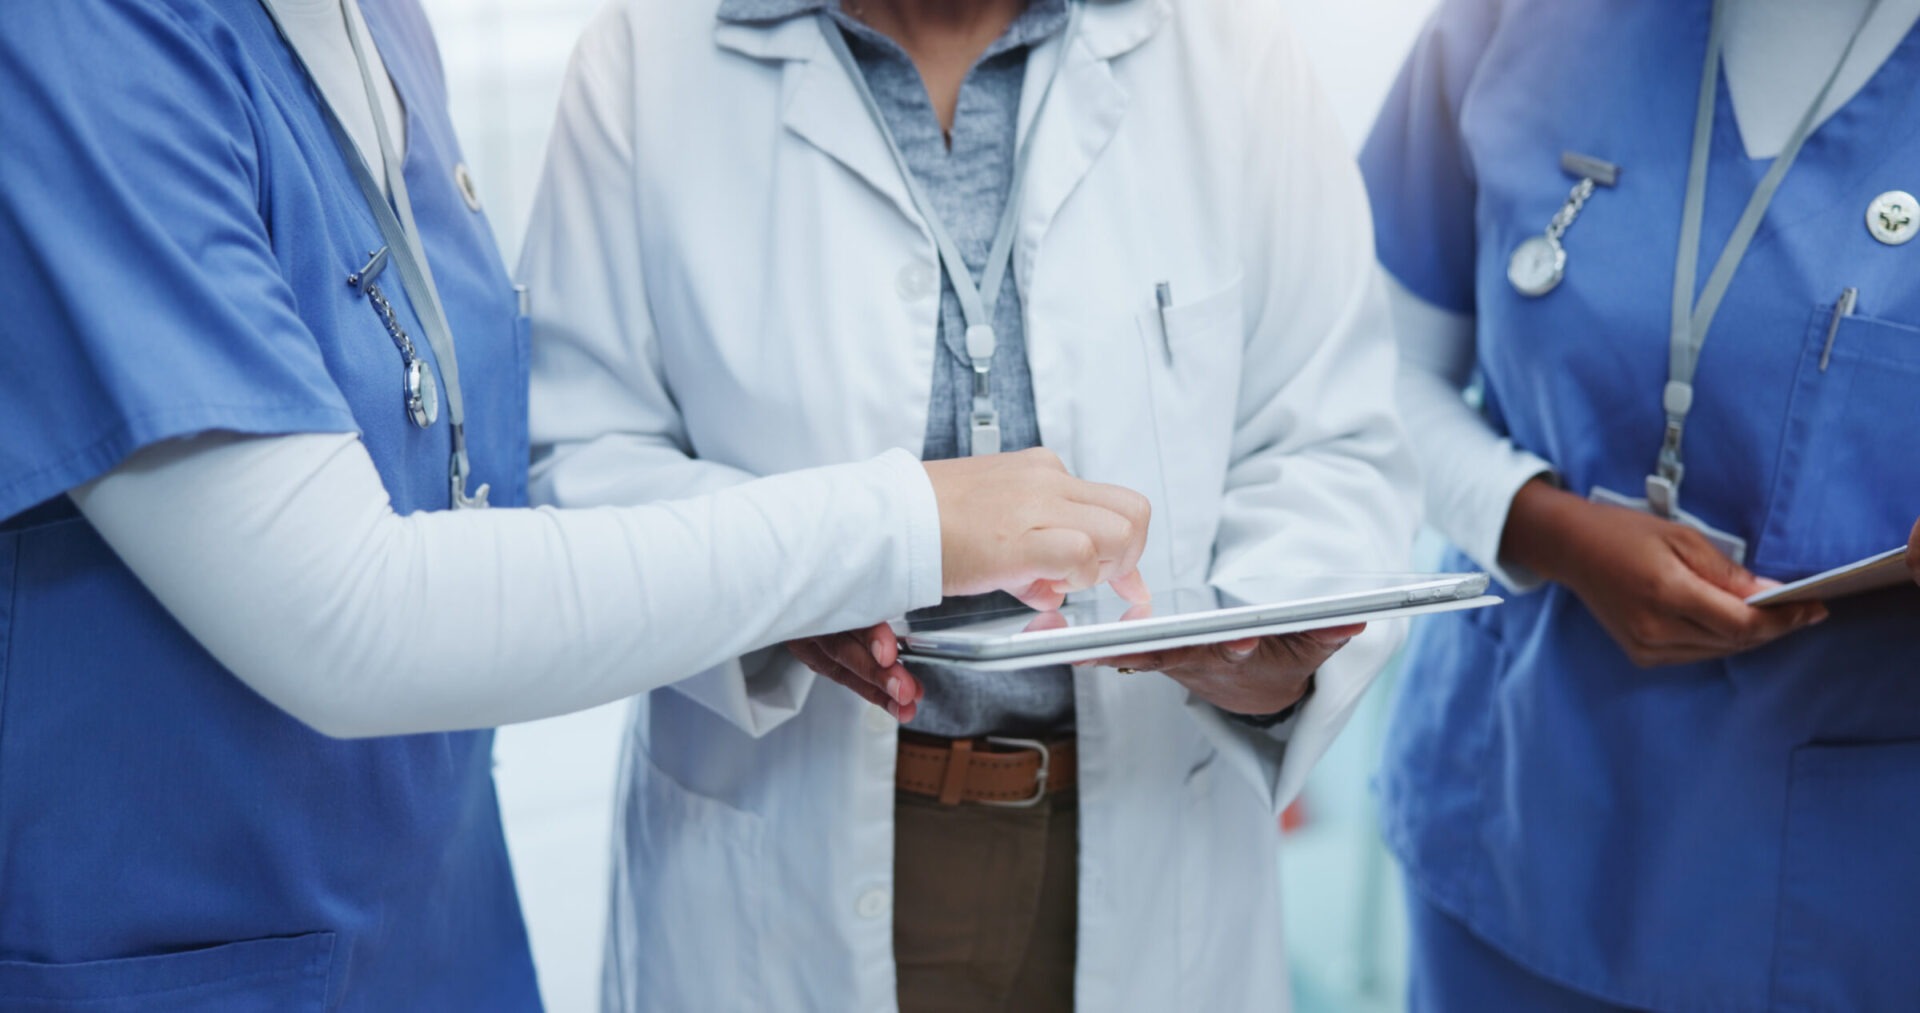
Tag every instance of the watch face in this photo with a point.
(1537, 266)
(423, 394)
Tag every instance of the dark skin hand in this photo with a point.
(1913, 552)
(1257, 675)
(866, 662)
(1660, 589)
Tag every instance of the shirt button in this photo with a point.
(1894, 217)
(872, 904)
(878, 720)
(915, 281)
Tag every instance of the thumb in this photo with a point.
(1913, 552)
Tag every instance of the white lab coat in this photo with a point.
(729, 280)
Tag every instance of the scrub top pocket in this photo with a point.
(279, 975)
(1193, 351)
(1849, 884)
(1848, 482)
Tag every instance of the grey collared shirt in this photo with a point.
(967, 183)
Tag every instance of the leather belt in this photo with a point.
(991, 771)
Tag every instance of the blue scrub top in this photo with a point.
(176, 229)
(1740, 834)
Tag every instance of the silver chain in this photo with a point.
(1576, 199)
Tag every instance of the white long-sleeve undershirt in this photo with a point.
(284, 557)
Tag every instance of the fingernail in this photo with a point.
(894, 689)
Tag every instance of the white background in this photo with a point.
(505, 60)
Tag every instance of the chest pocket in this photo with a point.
(1848, 481)
(1193, 351)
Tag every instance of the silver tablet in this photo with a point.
(1104, 625)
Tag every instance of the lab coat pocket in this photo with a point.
(1197, 869)
(1193, 351)
(1849, 882)
(1848, 482)
(287, 973)
(689, 886)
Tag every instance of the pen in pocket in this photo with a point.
(1163, 298)
(1841, 310)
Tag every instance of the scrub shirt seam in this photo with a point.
(144, 429)
(6, 668)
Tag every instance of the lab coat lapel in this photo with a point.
(821, 105)
(1082, 115)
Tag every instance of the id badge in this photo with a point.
(1732, 546)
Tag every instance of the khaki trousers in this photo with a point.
(985, 914)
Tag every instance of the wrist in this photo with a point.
(1280, 716)
(1534, 536)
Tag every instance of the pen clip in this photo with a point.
(1163, 300)
(1842, 308)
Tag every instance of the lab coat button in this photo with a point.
(1894, 217)
(915, 282)
(878, 720)
(873, 904)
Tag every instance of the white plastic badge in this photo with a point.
(1732, 546)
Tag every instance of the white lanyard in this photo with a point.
(402, 235)
(976, 301)
(1691, 320)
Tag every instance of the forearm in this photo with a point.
(1472, 474)
(285, 559)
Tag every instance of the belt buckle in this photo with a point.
(1040, 779)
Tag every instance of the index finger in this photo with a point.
(1132, 506)
(1728, 616)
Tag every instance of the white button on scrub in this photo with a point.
(1894, 217)
(872, 904)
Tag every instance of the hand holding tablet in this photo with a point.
(1103, 626)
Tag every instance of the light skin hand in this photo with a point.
(1660, 589)
(1019, 523)
(1008, 522)
(1257, 675)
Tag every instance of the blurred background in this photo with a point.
(505, 60)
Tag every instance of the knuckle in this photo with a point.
(1642, 631)
(1043, 458)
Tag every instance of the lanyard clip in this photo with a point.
(1663, 487)
(457, 471)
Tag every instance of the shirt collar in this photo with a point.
(1040, 19)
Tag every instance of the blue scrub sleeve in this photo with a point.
(143, 299)
(1419, 174)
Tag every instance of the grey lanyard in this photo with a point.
(976, 301)
(1692, 320)
(402, 236)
